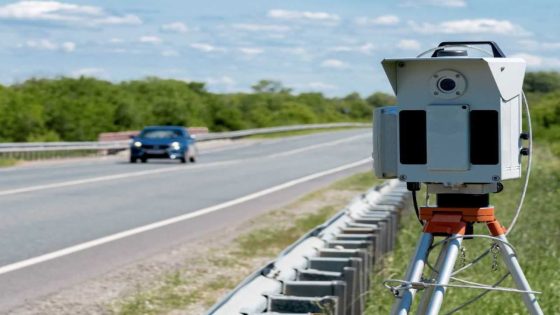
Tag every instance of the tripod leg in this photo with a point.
(427, 294)
(444, 274)
(413, 274)
(514, 268)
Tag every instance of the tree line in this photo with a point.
(78, 109)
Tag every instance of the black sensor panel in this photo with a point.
(485, 137)
(412, 142)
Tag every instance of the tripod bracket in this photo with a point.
(449, 221)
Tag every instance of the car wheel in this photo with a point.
(144, 160)
(132, 159)
(183, 160)
(192, 159)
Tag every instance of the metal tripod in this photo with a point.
(452, 223)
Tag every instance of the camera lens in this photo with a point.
(447, 85)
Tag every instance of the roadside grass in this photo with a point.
(294, 133)
(535, 237)
(21, 157)
(170, 296)
(271, 240)
(7, 162)
(201, 283)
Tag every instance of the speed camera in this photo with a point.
(457, 119)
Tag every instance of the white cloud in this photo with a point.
(408, 44)
(366, 48)
(175, 27)
(206, 47)
(300, 51)
(539, 62)
(380, 20)
(321, 86)
(89, 72)
(59, 12)
(532, 60)
(334, 64)
(448, 3)
(474, 26)
(150, 39)
(224, 83)
(45, 44)
(303, 15)
(68, 46)
(223, 80)
(251, 51)
(170, 53)
(42, 44)
(436, 3)
(120, 50)
(116, 40)
(262, 27)
(531, 44)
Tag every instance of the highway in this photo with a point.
(64, 223)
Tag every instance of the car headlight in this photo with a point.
(175, 145)
(137, 144)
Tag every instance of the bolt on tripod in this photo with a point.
(453, 218)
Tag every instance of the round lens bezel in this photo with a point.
(445, 83)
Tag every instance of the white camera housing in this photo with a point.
(457, 120)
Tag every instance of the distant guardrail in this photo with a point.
(114, 146)
(327, 271)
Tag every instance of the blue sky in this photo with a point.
(334, 47)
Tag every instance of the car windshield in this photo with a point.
(160, 134)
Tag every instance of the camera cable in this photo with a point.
(517, 211)
(415, 202)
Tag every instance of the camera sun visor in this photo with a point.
(459, 120)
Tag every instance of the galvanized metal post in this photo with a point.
(510, 259)
(453, 246)
(413, 274)
(427, 294)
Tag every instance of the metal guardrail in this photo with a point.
(327, 270)
(123, 145)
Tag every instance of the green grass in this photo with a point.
(170, 295)
(360, 181)
(7, 162)
(285, 134)
(12, 159)
(280, 229)
(269, 241)
(535, 237)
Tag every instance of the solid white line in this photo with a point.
(316, 146)
(184, 217)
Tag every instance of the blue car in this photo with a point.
(163, 142)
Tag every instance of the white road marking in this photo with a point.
(169, 169)
(316, 146)
(117, 236)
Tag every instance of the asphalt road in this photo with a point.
(49, 208)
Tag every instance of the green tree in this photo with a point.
(379, 99)
(270, 86)
(541, 82)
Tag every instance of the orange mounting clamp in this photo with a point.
(447, 221)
